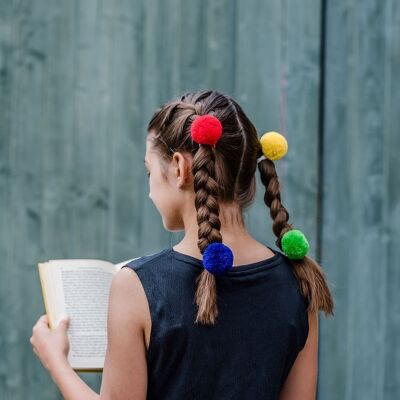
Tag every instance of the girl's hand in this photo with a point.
(50, 345)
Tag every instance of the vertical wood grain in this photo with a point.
(79, 82)
(359, 351)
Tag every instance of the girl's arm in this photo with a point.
(301, 382)
(125, 368)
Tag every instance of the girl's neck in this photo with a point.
(246, 250)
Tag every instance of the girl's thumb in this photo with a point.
(64, 321)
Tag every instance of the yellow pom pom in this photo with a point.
(274, 145)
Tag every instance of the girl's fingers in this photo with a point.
(44, 319)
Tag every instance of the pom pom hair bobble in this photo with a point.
(294, 244)
(217, 258)
(206, 129)
(274, 146)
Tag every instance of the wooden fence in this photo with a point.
(79, 81)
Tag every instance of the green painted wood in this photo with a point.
(78, 84)
(359, 347)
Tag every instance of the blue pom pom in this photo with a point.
(217, 258)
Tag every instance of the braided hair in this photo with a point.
(310, 276)
(225, 173)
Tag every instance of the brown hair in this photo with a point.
(227, 174)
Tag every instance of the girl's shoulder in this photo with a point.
(138, 263)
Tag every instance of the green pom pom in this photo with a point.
(295, 244)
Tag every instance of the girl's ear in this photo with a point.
(181, 169)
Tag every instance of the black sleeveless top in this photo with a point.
(261, 327)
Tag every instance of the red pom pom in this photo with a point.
(206, 129)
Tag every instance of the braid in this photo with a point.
(272, 199)
(207, 207)
(216, 259)
(309, 274)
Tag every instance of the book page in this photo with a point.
(81, 289)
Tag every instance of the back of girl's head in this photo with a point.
(226, 174)
(236, 151)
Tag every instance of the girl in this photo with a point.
(219, 315)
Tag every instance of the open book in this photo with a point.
(80, 289)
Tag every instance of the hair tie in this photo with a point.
(217, 258)
(206, 129)
(294, 244)
(261, 158)
(274, 146)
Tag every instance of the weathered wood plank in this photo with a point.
(361, 186)
(78, 84)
